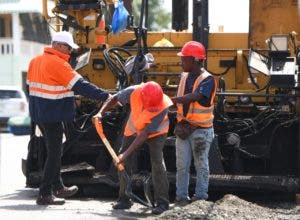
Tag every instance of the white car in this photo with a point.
(13, 102)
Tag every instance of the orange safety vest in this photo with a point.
(197, 115)
(50, 76)
(139, 117)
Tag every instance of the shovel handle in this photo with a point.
(120, 166)
(99, 129)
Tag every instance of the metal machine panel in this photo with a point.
(283, 14)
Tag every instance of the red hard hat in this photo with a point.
(194, 49)
(152, 95)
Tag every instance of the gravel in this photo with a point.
(233, 207)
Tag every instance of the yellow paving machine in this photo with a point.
(256, 146)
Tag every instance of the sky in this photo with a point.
(232, 15)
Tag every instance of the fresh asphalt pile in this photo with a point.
(233, 207)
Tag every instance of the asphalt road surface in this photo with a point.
(18, 202)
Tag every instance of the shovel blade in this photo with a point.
(128, 189)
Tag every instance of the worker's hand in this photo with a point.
(174, 100)
(121, 158)
(98, 115)
(109, 96)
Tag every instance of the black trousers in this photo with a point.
(51, 178)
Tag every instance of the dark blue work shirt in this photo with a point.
(205, 88)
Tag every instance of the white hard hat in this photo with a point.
(65, 37)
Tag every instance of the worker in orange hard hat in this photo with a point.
(148, 122)
(194, 130)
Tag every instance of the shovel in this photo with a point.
(120, 167)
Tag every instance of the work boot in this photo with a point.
(195, 198)
(182, 202)
(49, 200)
(66, 192)
(122, 205)
(160, 208)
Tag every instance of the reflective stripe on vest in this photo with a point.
(50, 76)
(163, 125)
(52, 92)
(139, 118)
(197, 114)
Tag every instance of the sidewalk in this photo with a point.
(20, 204)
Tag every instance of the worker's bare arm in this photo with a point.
(188, 98)
(138, 141)
(110, 103)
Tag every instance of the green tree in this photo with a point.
(158, 18)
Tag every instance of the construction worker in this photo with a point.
(148, 122)
(52, 83)
(194, 130)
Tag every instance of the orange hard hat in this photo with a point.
(193, 49)
(152, 95)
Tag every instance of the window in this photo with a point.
(35, 28)
(5, 25)
(9, 94)
(2, 27)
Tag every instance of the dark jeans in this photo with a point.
(158, 169)
(51, 179)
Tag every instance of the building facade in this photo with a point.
(23, 34)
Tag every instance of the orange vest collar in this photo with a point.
(139, 117)
(51, 50)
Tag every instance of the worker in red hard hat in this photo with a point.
(194, 129)
(148, 122)
(193, 49)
